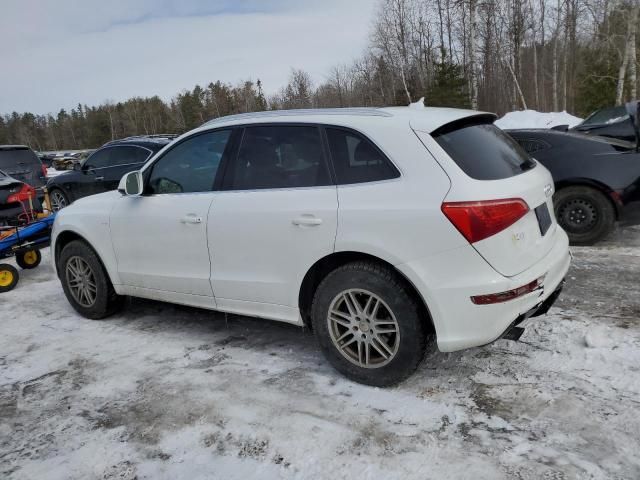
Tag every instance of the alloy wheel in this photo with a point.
(58, 200)
(81, 281)
(363, 328)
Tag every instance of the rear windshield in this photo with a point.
(483, 151)
(9, 159)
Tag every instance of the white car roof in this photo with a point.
(426, 119)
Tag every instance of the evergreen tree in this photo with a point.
(450, 88)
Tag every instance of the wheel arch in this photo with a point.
(64, 238)
(327, 264)
(607, 191)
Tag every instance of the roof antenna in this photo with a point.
(633, 109)
(419, 104)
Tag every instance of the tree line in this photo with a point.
(494, 55)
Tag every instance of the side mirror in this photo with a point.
(131, 184)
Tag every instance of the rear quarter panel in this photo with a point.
(399, 219)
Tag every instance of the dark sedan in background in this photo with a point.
(597, 179)
(104, 168)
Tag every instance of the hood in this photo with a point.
(106, 198)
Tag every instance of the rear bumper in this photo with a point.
(515, 331)
(447, 282)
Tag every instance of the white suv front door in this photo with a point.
(275, 217)
(160, 238)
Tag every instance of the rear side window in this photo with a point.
(483, 151)
(279, 157)
(128, 154)
(531, 145)
(356, 159)
(10, 159)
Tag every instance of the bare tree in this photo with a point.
(628, 57)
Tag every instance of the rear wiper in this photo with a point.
(528, 165)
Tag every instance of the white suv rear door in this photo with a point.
(274, 218)
(160, 238)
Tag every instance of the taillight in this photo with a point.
(482, 219)
(23, 195)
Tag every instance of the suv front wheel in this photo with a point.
(368, 325)
(86, 283)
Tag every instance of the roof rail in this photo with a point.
(363, 111)
(168, 136)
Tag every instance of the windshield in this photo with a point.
(606, 115)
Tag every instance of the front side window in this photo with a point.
(279, 157)
(356, 159)
(190, 166)
(100, 159)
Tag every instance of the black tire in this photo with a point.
(106, 301)
(58, 199)
(9, 277)
(585, 213)
(29, 259)
(384, 283)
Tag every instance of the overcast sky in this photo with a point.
(58, 53)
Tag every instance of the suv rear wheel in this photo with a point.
(584, 213)
(368, 324)
(85, 282)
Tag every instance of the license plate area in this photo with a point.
(544, 218)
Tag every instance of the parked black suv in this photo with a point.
(104, 168)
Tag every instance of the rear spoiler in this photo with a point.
(633, 109)
(477, 119)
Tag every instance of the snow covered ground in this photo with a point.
(166, 392)
(535, 119)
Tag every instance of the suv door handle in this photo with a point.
(98, 179)
(307, 220)
(191, 218)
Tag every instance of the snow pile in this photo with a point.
(535, 119)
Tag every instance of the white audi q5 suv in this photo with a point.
(381, 229)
